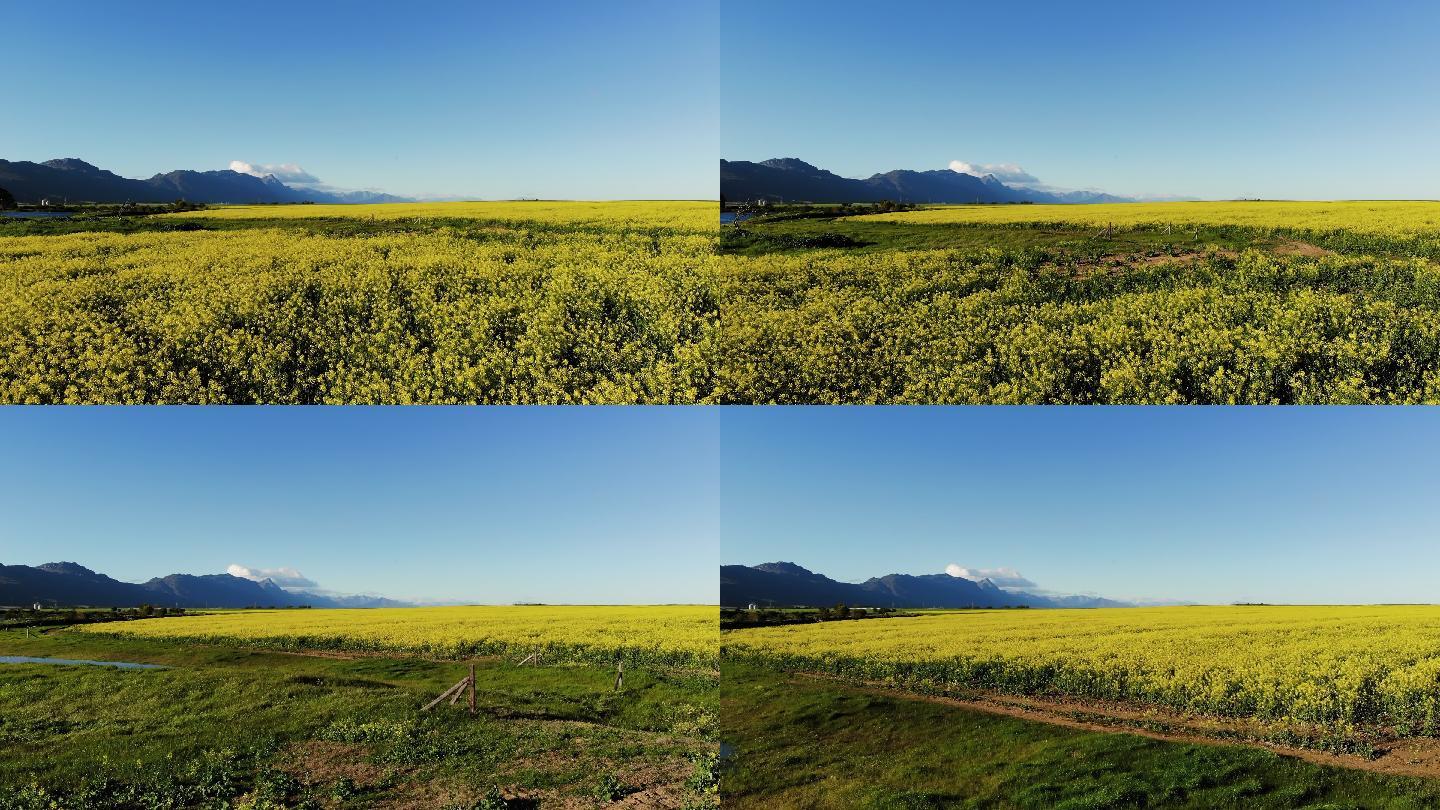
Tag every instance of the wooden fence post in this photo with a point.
(452, 693)
(619, 675)
(472, 687)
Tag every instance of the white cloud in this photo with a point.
(287, 173)
(1010, 174)
(284, 577)
(1003, 577)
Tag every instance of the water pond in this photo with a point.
(25, 659)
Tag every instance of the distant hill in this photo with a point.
(68, 584)
(794, 180)
(785, 584)
(75, 180)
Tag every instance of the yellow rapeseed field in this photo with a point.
(668, 634)
(287, 312)
(630, 302)
(691, 216)
(1397, 218)
(1371, 665)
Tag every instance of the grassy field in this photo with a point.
(425, 303)
(227, 725)
(799, 742)
(679, 635)
(1177, 303)
(1375, 668)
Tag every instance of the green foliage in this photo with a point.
(214, 778)
(705, 779)
(403, 742)
(608, 788)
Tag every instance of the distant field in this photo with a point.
(692, 217)
(1408, 218)
(686, 635)
(1342, 667)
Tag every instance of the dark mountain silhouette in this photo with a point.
(68, 584)
(794, 180)
(75, 181)
(785, 584)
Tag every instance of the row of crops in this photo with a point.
(1345, 666)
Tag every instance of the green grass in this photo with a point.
(222, 724)
(808, 744)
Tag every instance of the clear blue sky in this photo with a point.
(1218, 99)
(494, 505)
(549, 98)
(1203, 504)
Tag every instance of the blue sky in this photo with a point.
(493, 505)
(1215, 505)
(561, 99)
(1218, 99)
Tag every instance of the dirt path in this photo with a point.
(1403, 756)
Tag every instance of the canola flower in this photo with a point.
(680, 635)
(440, 315)
(1339, 665)
(1017, 327)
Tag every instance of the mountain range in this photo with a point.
(73, 180)
(794, 180)
(785, 584)
(68, 584)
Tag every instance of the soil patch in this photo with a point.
(320, 762)
(1295, 247)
